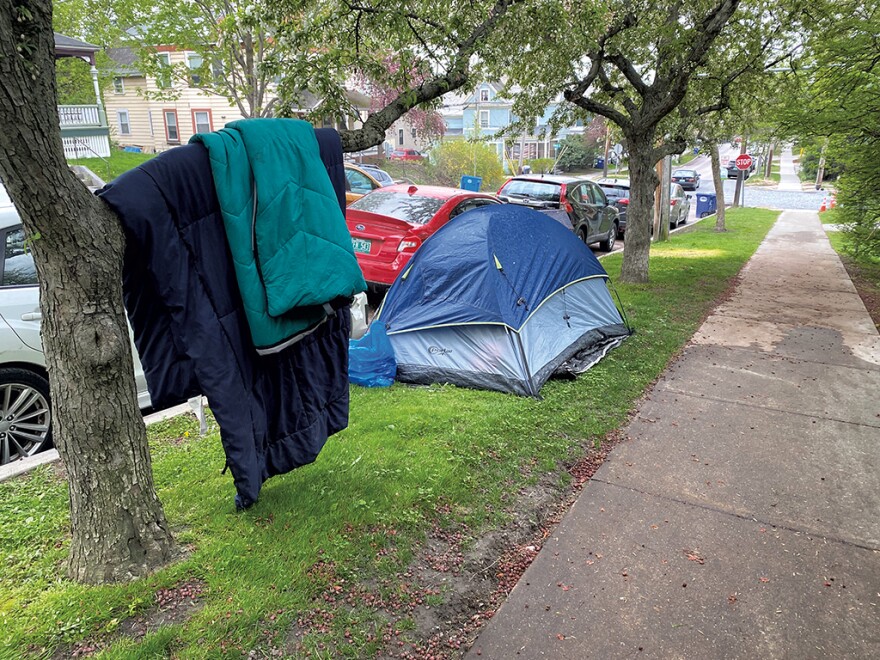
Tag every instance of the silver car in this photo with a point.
(25, 416)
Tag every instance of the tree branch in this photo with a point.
(455, 77)
(629, 71)
(595, 107)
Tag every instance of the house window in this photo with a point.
(163, 79)
(400, 136)
(484, 95)
(124, 123)
(172, 134)
(414, 133)
(118, 85)
(484, 119)
(217, 72)
(194, 61)
(201, 121)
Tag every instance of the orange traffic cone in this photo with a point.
(824, 206)
(833, 200)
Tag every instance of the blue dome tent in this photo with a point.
(500, 298)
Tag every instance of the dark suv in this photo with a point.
(578, 204)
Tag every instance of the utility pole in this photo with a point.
(741, 177)
(768, 166)
(661, 211)
(820, 173)
(607, 146)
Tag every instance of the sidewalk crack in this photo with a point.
(704, 397)
(731, 514)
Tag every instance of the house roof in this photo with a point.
(124, 61)
(69, 47)
(69, 43)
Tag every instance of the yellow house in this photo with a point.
(139, 120)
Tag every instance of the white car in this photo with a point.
(25, 416)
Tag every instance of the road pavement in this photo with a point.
(739, 517)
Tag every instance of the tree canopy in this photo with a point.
(833, 99)
(650, 68)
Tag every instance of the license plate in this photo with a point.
(361, 245)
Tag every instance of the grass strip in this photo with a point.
(412, 458)
(118, 162)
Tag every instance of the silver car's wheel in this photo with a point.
(25, 416)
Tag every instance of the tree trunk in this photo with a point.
(719, 186)
(643, 181)
(117, 523)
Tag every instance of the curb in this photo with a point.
(24, 465)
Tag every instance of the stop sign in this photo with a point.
(743, 162)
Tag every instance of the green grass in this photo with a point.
(411, 457)
(685, 158)
(829, 217)
(110, 168)
(869, 267)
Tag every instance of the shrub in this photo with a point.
(541, 165)
(451, 160)
(576, 154)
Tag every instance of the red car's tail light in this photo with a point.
(409, 244)
(624, 201)
(563, 200)
(672, 202)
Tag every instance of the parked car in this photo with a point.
(379, 174)
(389, 225)
(680, 206)
(687, 179)
(733, 170)
(577, 203)
(25, 413)
(406, 154)
(359, 181)
(617, 193)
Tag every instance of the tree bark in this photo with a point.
(640, 214)
(118, 526)
(719, 186)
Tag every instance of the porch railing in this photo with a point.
(79, 115)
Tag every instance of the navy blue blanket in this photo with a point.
(275, 412)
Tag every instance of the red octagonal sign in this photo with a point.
(743, 162)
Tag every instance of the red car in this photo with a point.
(388, 225)
(406, 154)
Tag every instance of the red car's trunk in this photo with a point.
(376, 235)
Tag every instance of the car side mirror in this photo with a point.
(688, 196)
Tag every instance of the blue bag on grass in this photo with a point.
(371, 360)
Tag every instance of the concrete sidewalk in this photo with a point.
(741, 518)
(788, 178)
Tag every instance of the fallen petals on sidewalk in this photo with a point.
(694, 555)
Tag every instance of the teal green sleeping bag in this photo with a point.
(291, 249)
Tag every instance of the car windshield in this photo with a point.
(545, 191)
(414, 209)
(685, 173)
